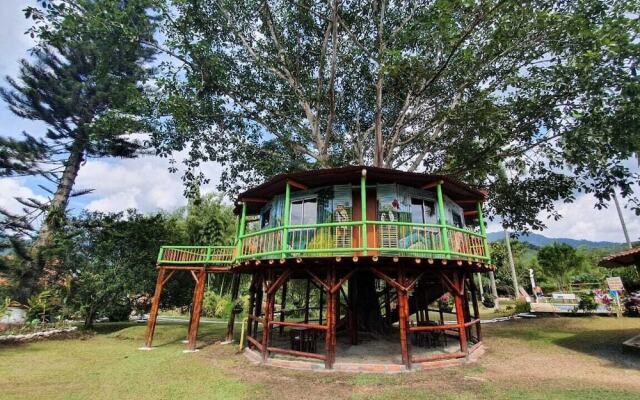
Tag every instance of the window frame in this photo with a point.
(302, 201)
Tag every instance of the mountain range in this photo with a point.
(541, 240)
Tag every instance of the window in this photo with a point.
(457, 219)
(422, 211)
(265, 218)
(304, 212)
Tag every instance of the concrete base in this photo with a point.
(386, 368)
(184, 341)
(227, 342)
(190, 351)
(145, 348)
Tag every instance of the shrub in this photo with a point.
(587, 302)
(522, 306)
(209, 303)
(489, 301)
(119, 312)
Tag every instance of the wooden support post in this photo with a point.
(266, 330)
(458, 293)
(252, 300)
(330, 334)
(196, 309)
(283, 306)
(387, 302)
(353, 311)
(306, 301)
(258, 306)
(321, 301)
(476, 307)
(403, 319)
(155, 306)
(235, 288)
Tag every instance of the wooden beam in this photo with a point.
(387, 279)
(341, 282)
(169, 275)
(403, 320)
(279, 282)
(318, 281)
(432, 185)
(253, 200)
(297, 185)
(470, 213)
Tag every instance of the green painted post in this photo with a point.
(483, 230)
(243, 221)
(285, 219)
(443, 219)
(363, 210)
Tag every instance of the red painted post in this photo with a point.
(459, 292)
(266, 329)
(330, 335)
(196, 309)
(403, 320)
(155, 306)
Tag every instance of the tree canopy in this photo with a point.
(546, 89)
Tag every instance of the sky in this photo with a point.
(146, 184)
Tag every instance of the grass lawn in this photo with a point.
(551, 358)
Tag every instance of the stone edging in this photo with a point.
(30, 337)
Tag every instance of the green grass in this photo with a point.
(551, 358)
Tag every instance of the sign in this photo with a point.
(563, 296)
(615, 283)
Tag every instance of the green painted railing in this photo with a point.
(214, 255)
(385, 238)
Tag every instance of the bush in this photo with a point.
(587, 302)
(209, 303)
(119, 312)
(522, 306)
(489, 301)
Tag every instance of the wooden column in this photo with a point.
(252, 300)
(476, 307)
(268, 315)
(330, 336)
(307, 293)
(353, 311)
(198, 295)
(283, 305)
(235, 288)
(320, 301)
(155, 306)
(403, 319)
(258, 302)
(458, 282)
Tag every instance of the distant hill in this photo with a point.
(541, 240)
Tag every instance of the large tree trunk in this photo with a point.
(61, 196)
(367, 306)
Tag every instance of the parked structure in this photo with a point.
(373, 249)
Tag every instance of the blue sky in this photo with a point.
(145, 183)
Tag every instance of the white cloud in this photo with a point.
(581, 220)
(10, 188)
(143, 183)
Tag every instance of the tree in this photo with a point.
(85, 82)
(522, 264)
(546, 88)
(111, 257)
(559, 262)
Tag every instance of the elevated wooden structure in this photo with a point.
(372, 248)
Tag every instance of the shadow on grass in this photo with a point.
(600, 337)
(166, 334)
(605, 344)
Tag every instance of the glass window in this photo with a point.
(422, 211)
(304, 212)
(457, 219)
(265, 217)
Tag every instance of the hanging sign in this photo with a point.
(615, 283)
